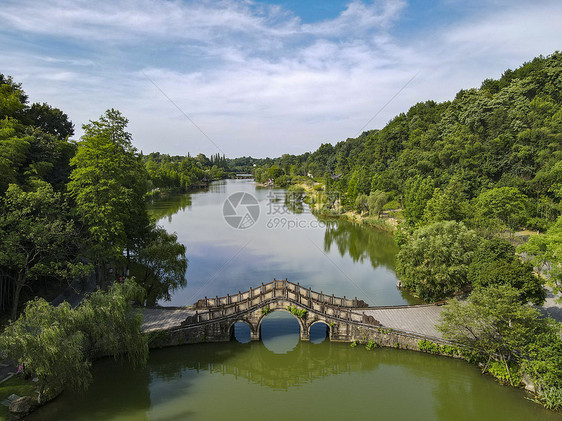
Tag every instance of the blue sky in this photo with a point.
(262, 78)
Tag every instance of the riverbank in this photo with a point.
(315, 196)
(18, 397)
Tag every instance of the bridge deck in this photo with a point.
(420, 320)
(415, 319)
(164, 318)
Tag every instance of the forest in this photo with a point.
(499, 144)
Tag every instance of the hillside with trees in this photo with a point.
(489, 160)
(497, 147)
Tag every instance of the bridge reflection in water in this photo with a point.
(280, 332)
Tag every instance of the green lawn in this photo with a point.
(18, 386)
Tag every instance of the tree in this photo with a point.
(495, 263)
(56, 344)
(13, 99)
(545, 253)
(506, 205)
(45, 342)
(108, 184)
(361, 202)
(111, 326)
(49, 119)
(449, 204)
(36, 239)
(13, 153)
(434, 262)
(542, 360)
(163, 265)
(492, 324)
(418, 191)
(377, 199)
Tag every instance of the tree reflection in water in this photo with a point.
(360, 243)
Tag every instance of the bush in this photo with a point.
(499, 370)
(300, 313)
(428, 346)
(392, 205)
(371, 345)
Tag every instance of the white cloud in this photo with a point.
(253, 76)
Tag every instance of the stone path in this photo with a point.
(413, 319)
(163, 318)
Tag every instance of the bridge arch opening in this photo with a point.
(241, 331)
(279, 331)
(319, 332)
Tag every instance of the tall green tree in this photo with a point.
(108, 184)
(37, 239)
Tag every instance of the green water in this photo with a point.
(327, 381)
(281, 378)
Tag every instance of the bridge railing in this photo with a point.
(239, 303)
(280, 288)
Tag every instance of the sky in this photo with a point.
(262, 78)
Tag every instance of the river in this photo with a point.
(280, 378)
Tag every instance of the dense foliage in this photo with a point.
(67, 207)
(508, 338)
(489, 159)
(434, 263)
(497, 148)
(545, 252)
(57, 344)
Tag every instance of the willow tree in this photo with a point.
(108, 184)
(57, 344)
(434, 263)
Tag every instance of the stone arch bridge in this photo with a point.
(219, 315)
(252, 306)
(346, 319)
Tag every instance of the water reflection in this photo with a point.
(280, 332)
(319, 332)
(242, 332)
(166, 208)
(324, 381)
(360, 243)
(225, 260)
